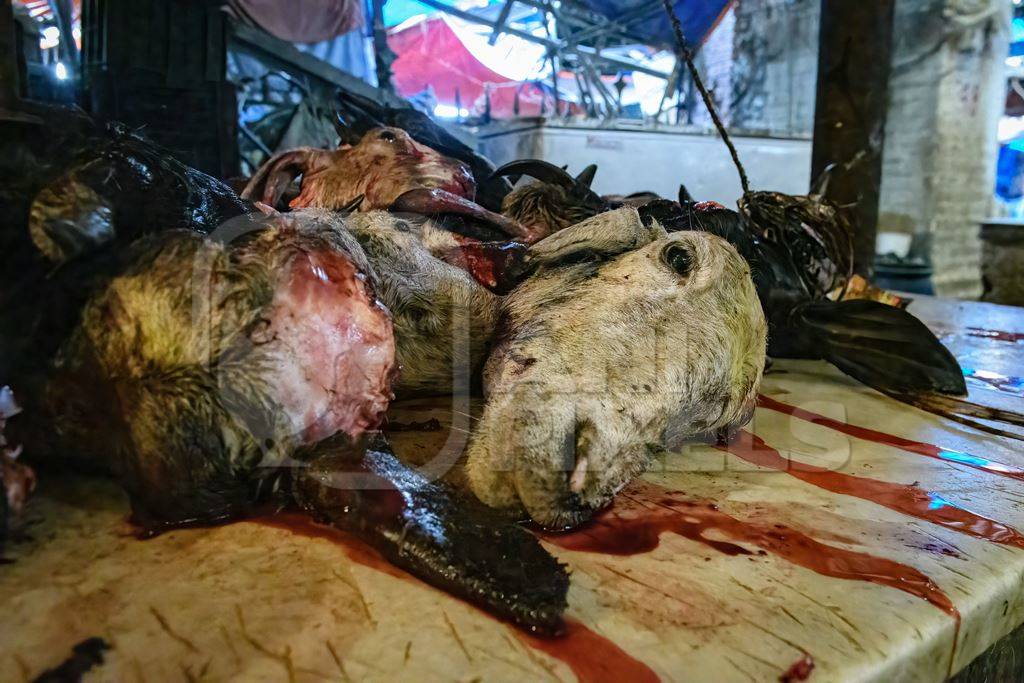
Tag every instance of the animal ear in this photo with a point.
(684, 195)
(598, 238)
(884, 347)
(277, 173)
(586, 176)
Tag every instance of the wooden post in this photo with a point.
(9, 81)
(855, 46)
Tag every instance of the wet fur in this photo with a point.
(168, 389)
(545, 208)
(444, 319)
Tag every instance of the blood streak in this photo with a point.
(799, 671)
(903, 498)
(998, 335)
(634, 523)
(492, 264)
(908, 445)
(591, 657)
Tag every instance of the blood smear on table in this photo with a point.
(904, 498)
(643, 512)
(909, 445)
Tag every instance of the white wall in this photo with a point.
(631, 161)
(946, 93)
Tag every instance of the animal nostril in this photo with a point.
(678, 259)
(571, 513)
(387, 136)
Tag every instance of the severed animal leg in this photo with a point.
(448, 540)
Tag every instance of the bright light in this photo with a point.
(1014, 62)
(448, 111)
(61, 71)
(1010, 128)
(51, 37)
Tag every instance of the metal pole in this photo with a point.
(383, 54)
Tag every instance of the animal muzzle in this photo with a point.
(540, 451)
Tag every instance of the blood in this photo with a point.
(480, 264)
(460, 183)
(591, 657)
(799, 671)
(998, 335)
(492, 264)
(903, 498)
(908, 445)
(635, 521)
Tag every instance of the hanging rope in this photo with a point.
(687, 56)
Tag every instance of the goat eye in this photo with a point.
(678, 259)
(387, 136)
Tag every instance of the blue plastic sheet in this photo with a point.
(697, 17)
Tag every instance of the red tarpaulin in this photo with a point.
(430, 54)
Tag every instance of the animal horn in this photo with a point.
(586, 176)
(274, 176)
(820, 186)
(353, 205)
(428, 202)
(543, 171)
(341, 126)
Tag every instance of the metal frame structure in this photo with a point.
(577, 40)
(568, 47)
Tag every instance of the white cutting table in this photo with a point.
(256, 602)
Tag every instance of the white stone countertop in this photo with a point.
(885, 556)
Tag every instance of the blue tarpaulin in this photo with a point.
(698, 17)
(1017, 37)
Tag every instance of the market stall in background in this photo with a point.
(490, 339)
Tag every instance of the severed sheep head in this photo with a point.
(623, 334)
(204, 364)
(385, 164)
